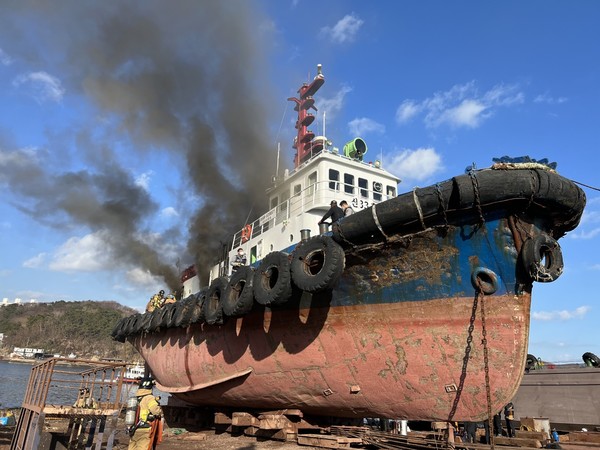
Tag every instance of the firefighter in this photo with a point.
(171, 298)
(157, 301)
(147, 432)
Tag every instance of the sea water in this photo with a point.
(14, 378)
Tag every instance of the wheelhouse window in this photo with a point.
(334, 179)
(390, 191)
(274, 202)
(349, 184)
(377, 191)
(312, 181)
(363, 185)
(297, 189)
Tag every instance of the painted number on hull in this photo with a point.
(359, 204)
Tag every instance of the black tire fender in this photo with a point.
(239, 295)
(181, 310)
(213, 308)
(196, 312)
(151, 321)
(135, 324)
(272, 279)
(591, 360)
(542, 258)
(317, 264)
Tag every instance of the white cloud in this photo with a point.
(141, 277)
(546, 98)
(407, 110)
(585, 234)
(415, 165)
(143, 180)
(41, 85)
(332, 106)
(169, 212)
(4, 58)
(86, 254)
(461, 106)
(345, 30)
(36, 261)
(364, 125)
(578, 313)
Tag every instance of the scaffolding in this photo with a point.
(80, 398)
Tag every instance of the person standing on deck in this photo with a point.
(335, 212)
(346, 208)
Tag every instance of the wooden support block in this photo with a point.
(222, 419)
(243, 419)
(584, 436)
(539, 435)
(327, 441)
(251, 431)
(194, 437)
(274, 422)
(518, 442)
(279, 435)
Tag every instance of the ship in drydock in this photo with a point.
(416, 306)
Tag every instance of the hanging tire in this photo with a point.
(213, 309)
(181, 311)
(135, 324)
(167, 315)
(317, 264)
(153, 323)
(272, 280)
(591, 360)
(196, 313)
(542, 258)
(239, 295)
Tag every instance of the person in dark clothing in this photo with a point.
(509, 416)
(335, 212)
(497, 427)
(471, 432)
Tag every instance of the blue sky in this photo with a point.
(118, 122)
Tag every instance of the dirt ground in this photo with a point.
(204, 440)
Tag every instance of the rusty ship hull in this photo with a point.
(429, 319)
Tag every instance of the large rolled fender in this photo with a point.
(213, 308)
(591, 360)
(196, 313)
(239, 295)
(542, 258)
(317, 264)
(272, 280)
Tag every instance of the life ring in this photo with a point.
(591, 360)
(272, 279)
(213, 309)
(239, 296)
(317, 264)
(246, 233)
(542, 258)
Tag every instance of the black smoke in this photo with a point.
(187, 79)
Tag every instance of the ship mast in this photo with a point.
(303, 143)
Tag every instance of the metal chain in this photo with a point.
(463, 373)
(476, 194)
(486, 367)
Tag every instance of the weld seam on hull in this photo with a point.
(201, 386)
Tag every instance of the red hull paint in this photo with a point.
(404, 359)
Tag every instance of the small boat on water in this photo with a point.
(133, 374)
(416, 306)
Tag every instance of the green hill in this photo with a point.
(82, 328)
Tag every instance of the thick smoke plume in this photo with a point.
(184, 78)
